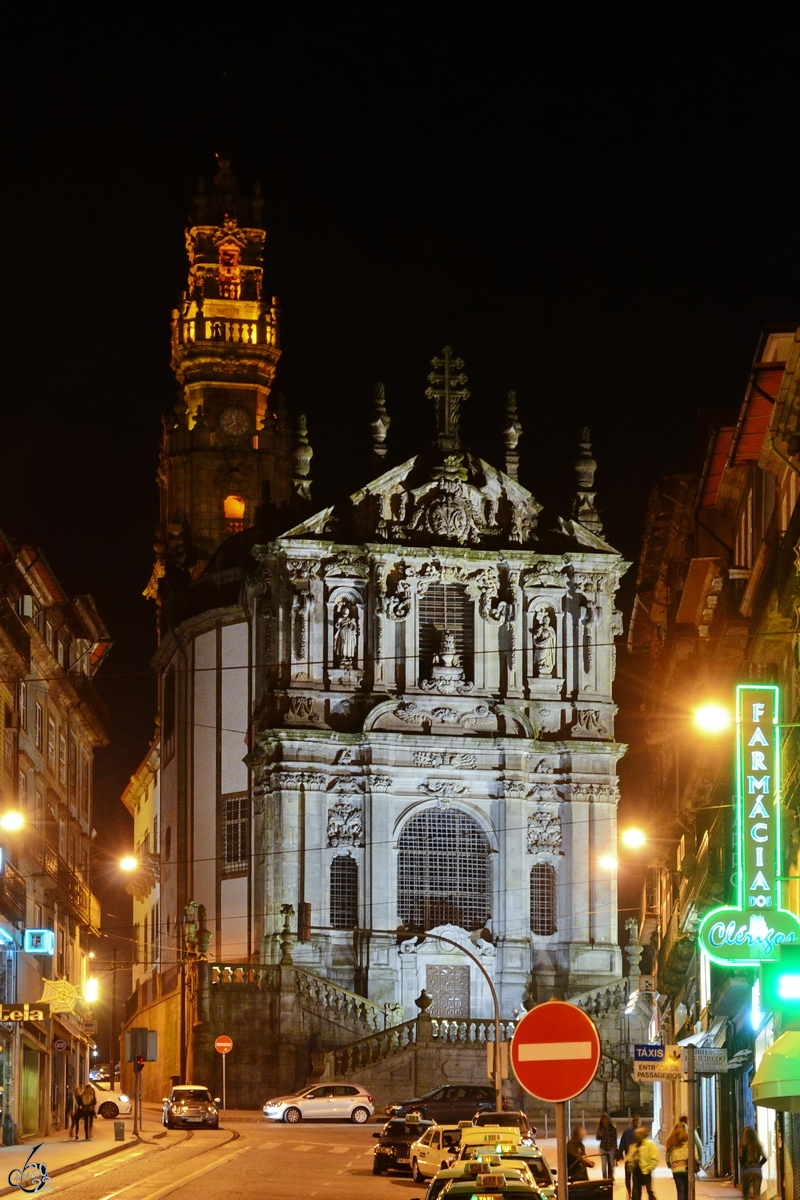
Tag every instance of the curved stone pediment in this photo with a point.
(455, 715)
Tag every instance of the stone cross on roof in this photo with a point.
(448, 392)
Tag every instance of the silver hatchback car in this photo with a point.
(190, 1106)
(323, 1102)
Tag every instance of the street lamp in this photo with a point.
(712, 717)
(129, 863)
(12, 821)
(634, 839)
(608, 862)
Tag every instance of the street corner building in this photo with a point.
(388, 715)
(52, 719)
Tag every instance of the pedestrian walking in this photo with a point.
(86, 1110)
(607, 1137)
(625, 1143)
(698, 1145)
(73, 1113)
(751, 1160)
(677, 1145)
(577, 1158)
(642, 1157)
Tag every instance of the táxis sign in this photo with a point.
(654, 1062)
(757, 926)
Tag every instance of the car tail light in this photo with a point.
(369, 1099)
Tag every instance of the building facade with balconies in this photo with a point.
(717, 603)
(53, 720)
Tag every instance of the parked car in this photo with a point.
(486, 1187)
(514, 1152)
(190, 1105)
(111, 1102)
(511, 1119)
(447, 1105)
(393, 1151)
(325, 1102)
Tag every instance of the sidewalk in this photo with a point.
(663, 1184)
(60, 1154)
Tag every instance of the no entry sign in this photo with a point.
(555, 1051)
(223, 1044)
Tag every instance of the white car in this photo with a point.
(324, 1102)
(111, 1102)
(435, 1151)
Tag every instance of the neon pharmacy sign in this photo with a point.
(754, 930)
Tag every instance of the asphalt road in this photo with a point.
(282, 1162)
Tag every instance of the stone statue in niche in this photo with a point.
(345, 637)
(447, 656)
(544, 643)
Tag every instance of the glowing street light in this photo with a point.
(12, 822)
(91, 991)
(712, 718)
(634, 839)
(608, 862)
(129, 863)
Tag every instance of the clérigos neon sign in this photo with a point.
(757, 926)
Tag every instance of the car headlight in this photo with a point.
(123, 1099)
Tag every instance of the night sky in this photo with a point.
(596, 206)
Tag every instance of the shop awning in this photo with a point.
(714, 1036)
(776, 1083)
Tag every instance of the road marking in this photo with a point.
(303, 1147)
(549, 1051)
(340, 1149)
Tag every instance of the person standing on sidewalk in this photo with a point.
(86, 1110)
(607, 1137)
(642, 1158)
(73, 1113)
(751, 1160)
(577, 1158)
(625, 1143)
(677, 1146)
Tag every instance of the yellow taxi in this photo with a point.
(467, 1170)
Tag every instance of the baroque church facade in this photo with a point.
(388, 716)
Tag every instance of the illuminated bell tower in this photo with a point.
(226, 452)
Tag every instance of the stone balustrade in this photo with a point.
(470, 1032)
(264, 977)
(608, 999)
(226, 329)
(371, 1049)
(329, 1000)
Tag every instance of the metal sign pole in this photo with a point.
(136, 1104)
(690, 1118)
(224, 1088)
(561, 1148)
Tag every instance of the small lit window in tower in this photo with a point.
(234, 514)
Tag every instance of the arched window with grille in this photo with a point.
(344, 892)
(446, 606)
(543, 899)
(443, 875)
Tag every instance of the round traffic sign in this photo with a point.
(59, 1045)
(223, 1044)
(555, 1051)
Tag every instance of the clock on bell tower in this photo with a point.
(226, 449)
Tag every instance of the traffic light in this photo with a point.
(780, 985)
(139, 1064)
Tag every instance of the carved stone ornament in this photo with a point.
(448, 677)
(590, 721)
(544, 832)
(544, 791)
(543, 767)
(349, 564)
(444, 758)
(543, 575)
(444, 787)
(603, 793)
(512, 788)
(380, 783)
(312, 781)
(345, 825)
(301, 708)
